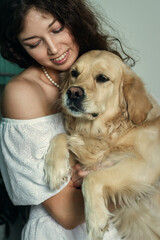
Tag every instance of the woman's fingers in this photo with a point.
(78, 174)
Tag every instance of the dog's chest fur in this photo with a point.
(92, 143)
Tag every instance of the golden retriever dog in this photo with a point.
(113, 130)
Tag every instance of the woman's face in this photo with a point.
(48, 42)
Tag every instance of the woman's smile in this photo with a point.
(62, 58)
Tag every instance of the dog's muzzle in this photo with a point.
(75, 97)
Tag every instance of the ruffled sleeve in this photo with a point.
(23, 146)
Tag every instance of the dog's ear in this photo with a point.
(64, 80)
(135, 96)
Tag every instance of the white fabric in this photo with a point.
(23, 146)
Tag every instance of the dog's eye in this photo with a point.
(74, 73)
(102, 78)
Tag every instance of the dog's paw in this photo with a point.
(96, 227)
(55, 178)
(57, 168)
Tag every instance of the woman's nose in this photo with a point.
(51, 48)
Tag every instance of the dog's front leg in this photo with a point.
(96, 212)
(125, 184)
(57, 167)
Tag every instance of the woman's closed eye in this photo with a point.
(34, 45)
(57, 28)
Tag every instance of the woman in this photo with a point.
(45, 37)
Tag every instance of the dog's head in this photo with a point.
(99, 83)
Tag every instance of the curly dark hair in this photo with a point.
(77, 15)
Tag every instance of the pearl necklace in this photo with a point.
(49, 78)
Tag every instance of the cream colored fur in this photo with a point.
(115, 134)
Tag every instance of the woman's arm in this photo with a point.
(67, 207)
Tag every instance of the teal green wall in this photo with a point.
(7, 68)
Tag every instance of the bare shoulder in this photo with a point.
(21, 98)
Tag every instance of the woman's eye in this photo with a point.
(102, 78)
(33, 45)
(57, 30)
(74, 73)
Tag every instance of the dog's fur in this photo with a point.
(113, 130)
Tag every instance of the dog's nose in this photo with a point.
(75, 93)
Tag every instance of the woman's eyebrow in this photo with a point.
(50, 25)
(25, 39)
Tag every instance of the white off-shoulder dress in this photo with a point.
(23, 146)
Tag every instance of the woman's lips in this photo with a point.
(61, 59)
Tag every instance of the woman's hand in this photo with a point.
(78, 174)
